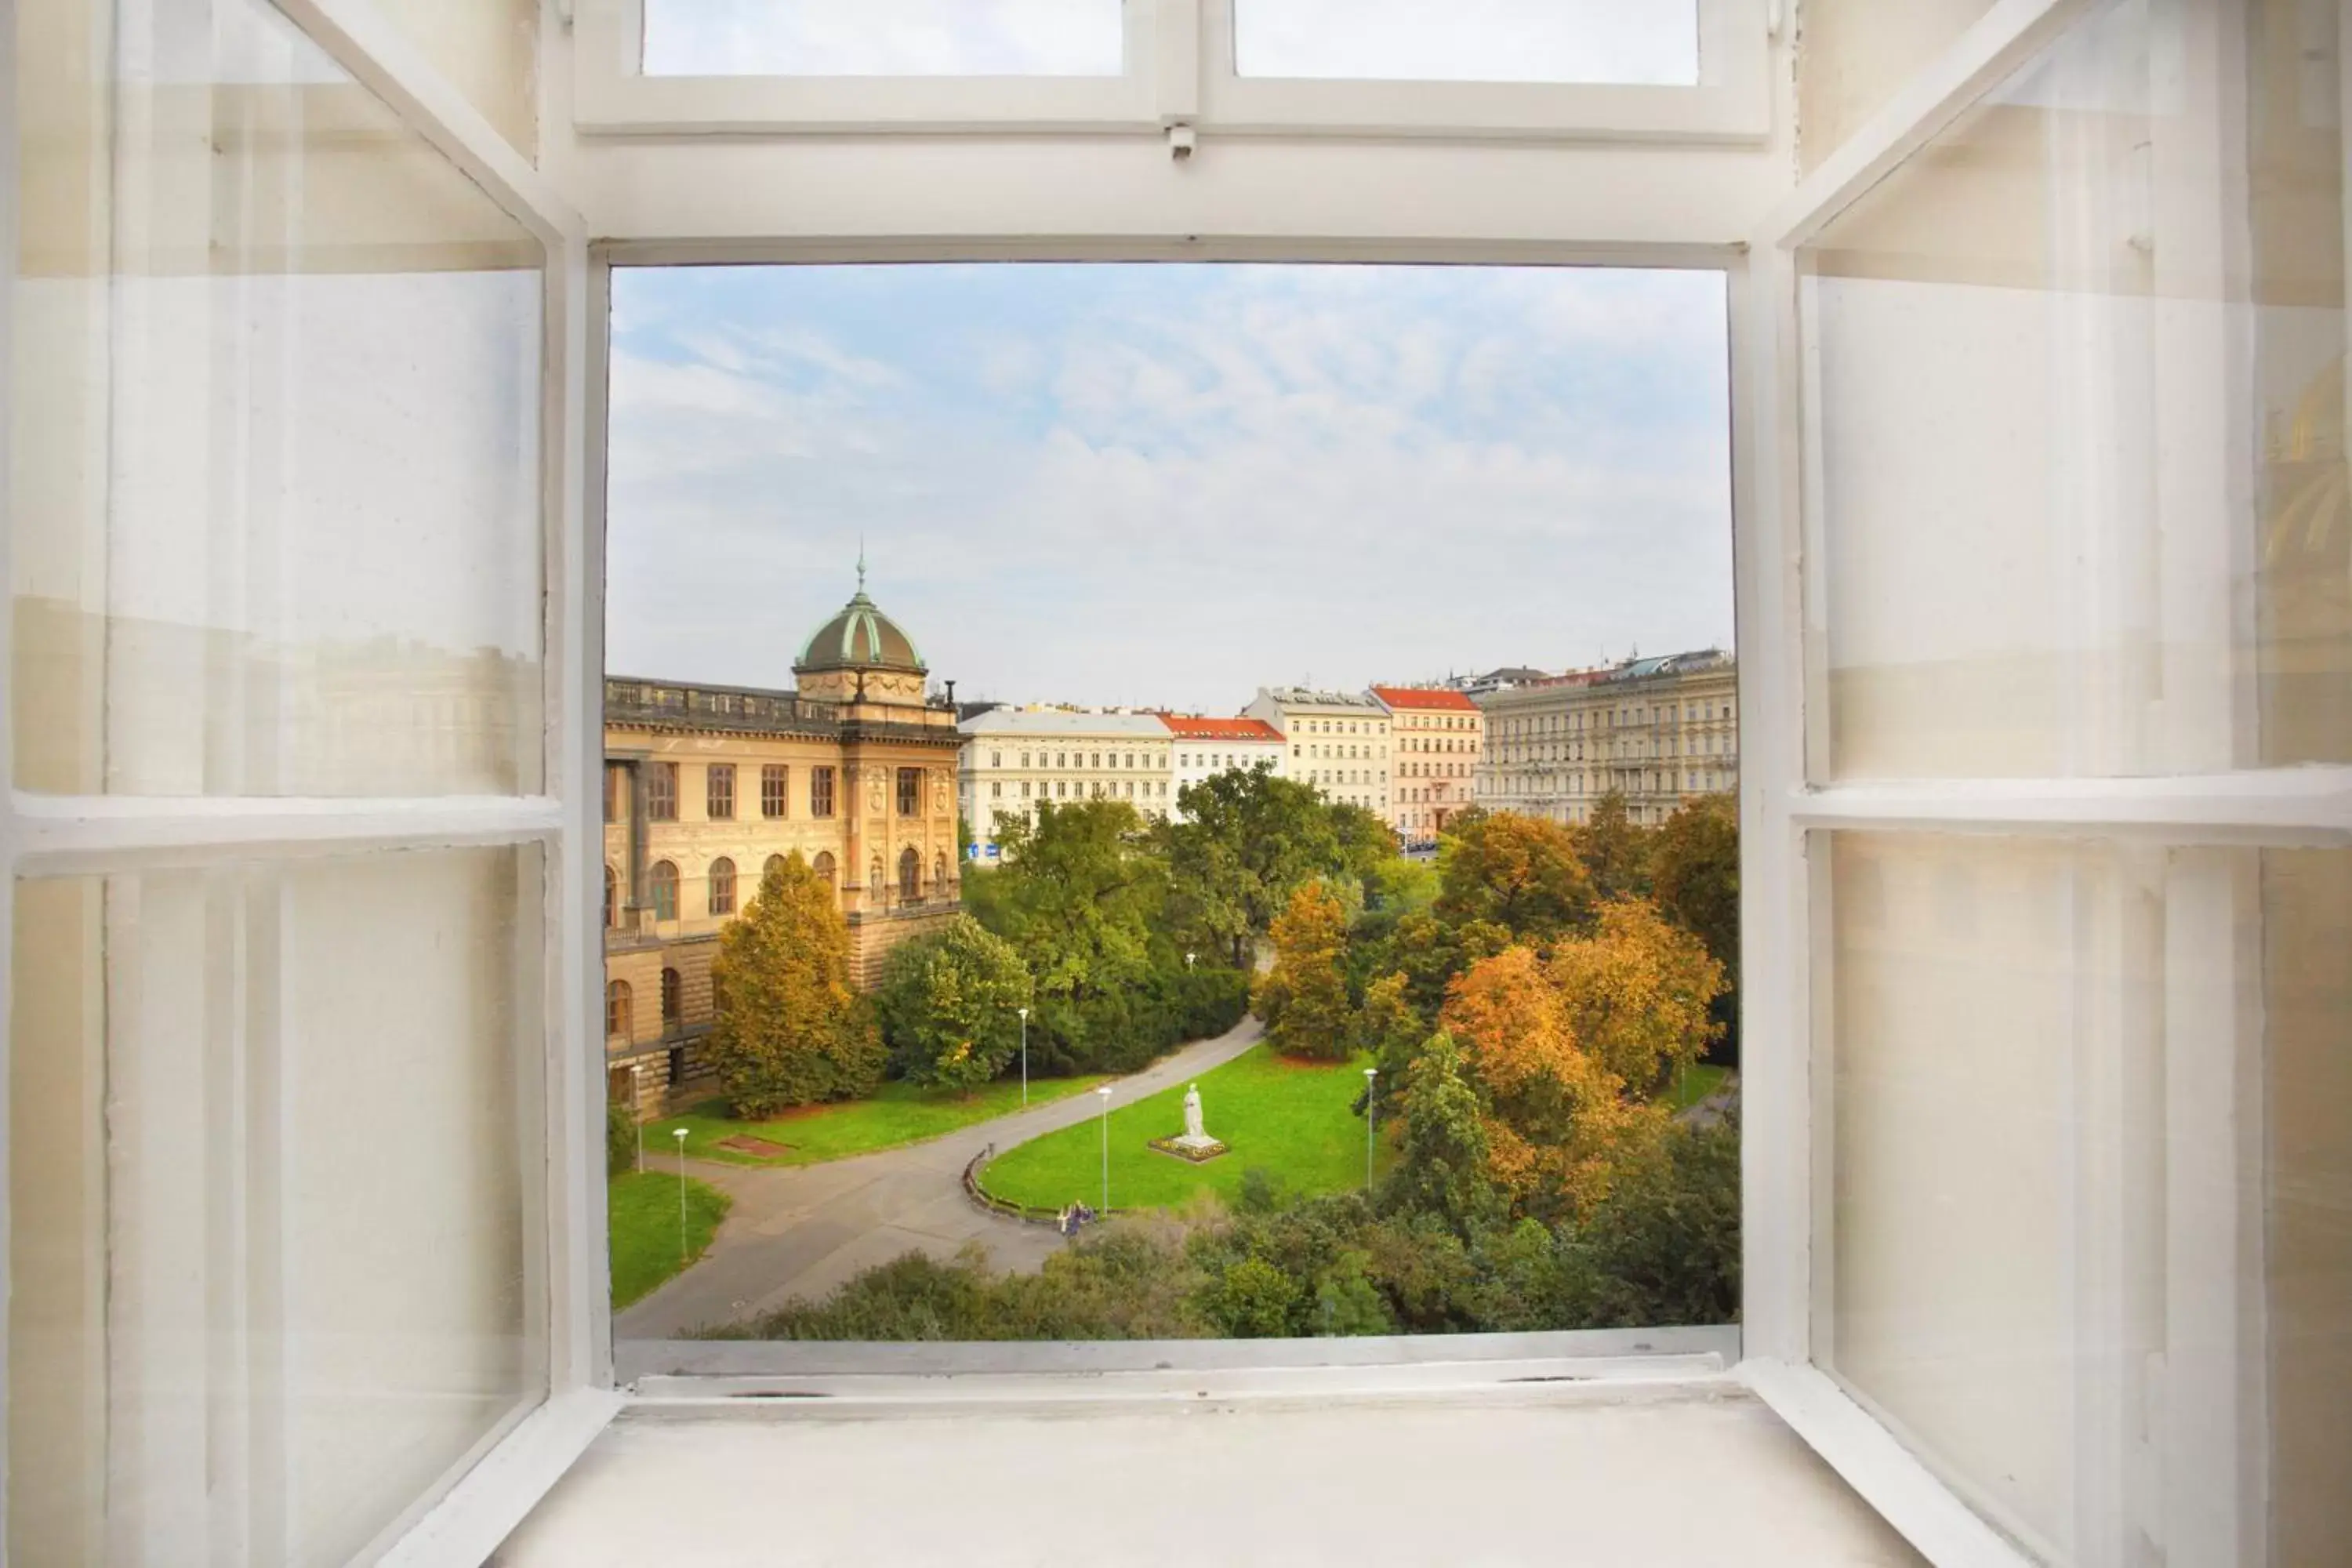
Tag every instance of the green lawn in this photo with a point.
(641, 1217)
(898, 1113)
(1696, 1084)
(1290, 1118)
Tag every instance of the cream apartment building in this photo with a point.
(1339, 742)
(1014, 758)
(1658, 731)
(1439, 735)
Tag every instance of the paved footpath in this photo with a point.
(802, 1230)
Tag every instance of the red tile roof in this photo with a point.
(1424, 697)
(1192, 727)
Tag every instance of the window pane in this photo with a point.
(2086, 1246)
(2080, 465)
(1654, 41)
(276, 509)
(275, 1245)
(884, 38)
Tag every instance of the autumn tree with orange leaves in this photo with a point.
(1564, 1051)
(1523, 873)
(1304, 998)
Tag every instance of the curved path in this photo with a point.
(802, 1230)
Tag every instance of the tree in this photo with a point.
(1390, 1028)
(788, 1027)
(1635, 992)
(1522, 873)
(1443, 1163)
(1245, 841)
(1615, 853)
(1556, 1114)
(948, 1002)
(1304, 998)
(1695, 876)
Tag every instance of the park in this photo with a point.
(1497, 1069)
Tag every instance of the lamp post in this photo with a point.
(1024, 1056)
(1370, 1075)
(1188, 963)
(1105, 1092)
(680, 1135)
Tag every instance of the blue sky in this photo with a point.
(1168, 484)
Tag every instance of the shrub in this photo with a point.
(620, 1138)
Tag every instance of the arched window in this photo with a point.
(612, 898)
(910, 874)
(670, 991)
(616, 1010)
(825, 867)
(722, 886)
(663, 880)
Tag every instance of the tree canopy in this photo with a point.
(1304, 997)
(949, 1005)
(788, 1028)
(1523, 873)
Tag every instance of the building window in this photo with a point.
(996, 791)
(661, 792)
(718, 791)
(910, 874)
(775, 790)
(612, 898)
(775, 863)
(722, 886)
(825, 867)
(996, 759)
(821, 791)
(910, 792)
(671, 990)
(677, 1066)
(664, 883)
(616, 1011)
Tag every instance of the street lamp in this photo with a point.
(680, 1135)
(1105, 1092)
(1188, 963)
(1370, 1074)
(1024, 1056)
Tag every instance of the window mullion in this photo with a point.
(2299, 806)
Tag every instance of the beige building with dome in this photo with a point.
(855, 769)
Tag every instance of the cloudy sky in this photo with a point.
(1462, 40)
(1168, 484)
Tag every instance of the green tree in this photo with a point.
(788, 1028)
(1695, 875)
(1252, 1299)
(1523, 873)
(1615, 853)
(1304, 998)
(1443, 1164)
(1245, 841)
(1635, 992)
(948, 1002)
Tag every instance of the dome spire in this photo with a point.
(861, 561)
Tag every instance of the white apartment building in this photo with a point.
(1339, 742)
(1657, 731)
(1206, 747)
(1014, 757)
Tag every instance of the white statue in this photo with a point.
(1194, 1143)
(1193, 1128)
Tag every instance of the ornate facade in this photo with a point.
(856, 770)
(1657, 731)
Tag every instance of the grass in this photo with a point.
(1701, 1081)
(1292, 1119)
(896, 1114)
(641, 1217)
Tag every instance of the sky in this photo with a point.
(1462, 40)
(1168, 485)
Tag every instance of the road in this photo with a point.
(802, 1230)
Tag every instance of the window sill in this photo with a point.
(1612, 1469)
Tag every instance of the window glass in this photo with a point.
(2089, 1156)
(883, 37)
(276, 512)
(661, 790)
(275, 1253)
(2082, 480)
(719, 793)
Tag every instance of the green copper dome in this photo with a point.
(860, 637)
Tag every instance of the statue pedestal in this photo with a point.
(1195, 1147)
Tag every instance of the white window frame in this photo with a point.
(50, 835)
(1787, 799)
(1179, 72)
